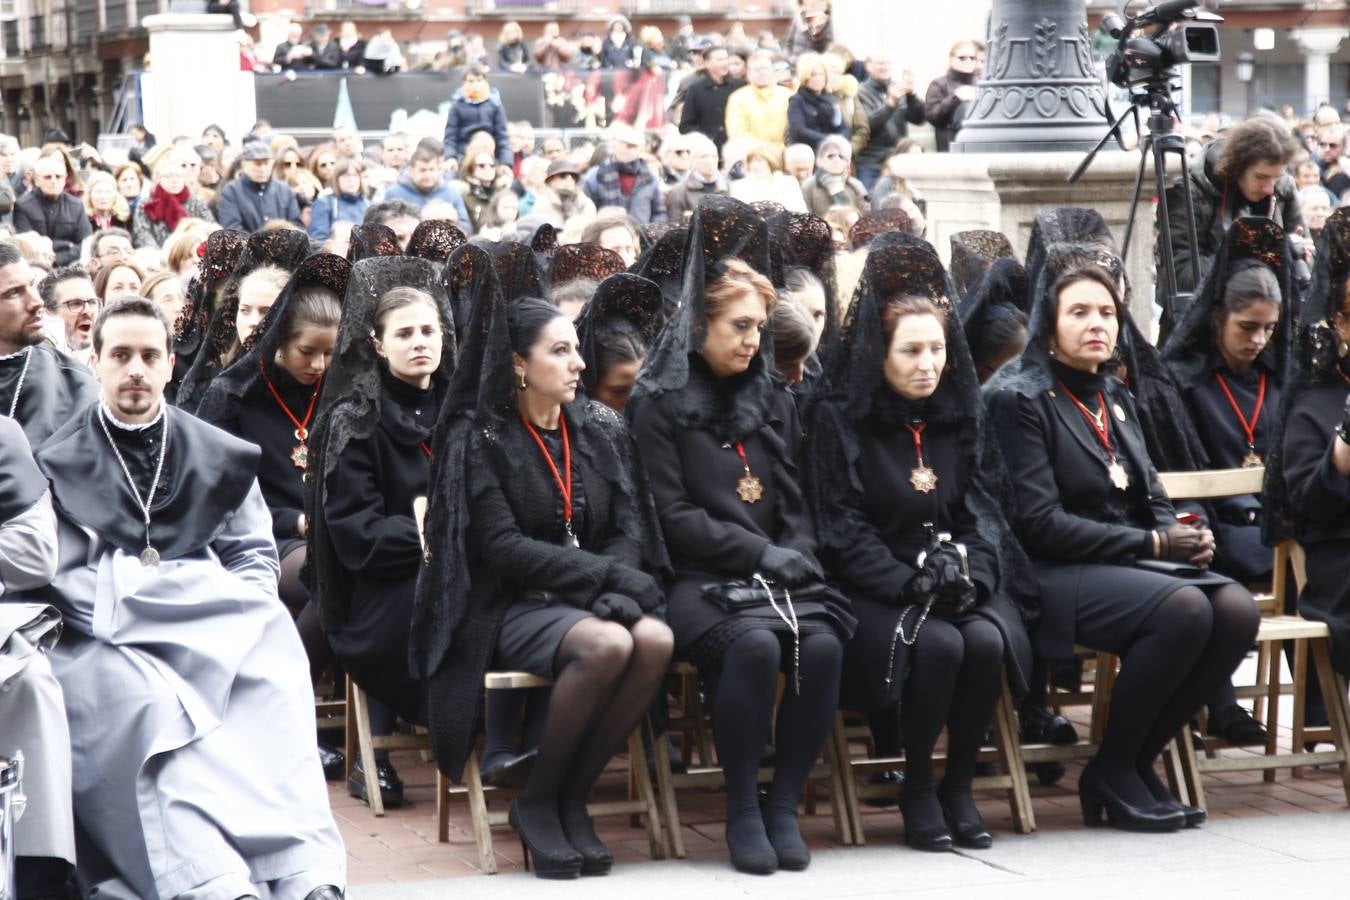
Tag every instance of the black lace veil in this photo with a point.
(239, 377)
(435, 239)
(285, 248)
(349, 408)
(518, 271)
(468, 273)
(972, 252)
(663, 262)
(623, 303)
(574, 261)
(372, 240)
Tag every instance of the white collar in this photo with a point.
(111, 418)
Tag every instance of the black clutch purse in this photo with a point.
(742, 594)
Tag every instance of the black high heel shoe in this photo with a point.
(511, 771)
(596, 859)
(1096, 796)
(925, 826)
(548, 863)
(963, 819)
(1194, 815)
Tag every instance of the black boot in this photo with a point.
(391, 786)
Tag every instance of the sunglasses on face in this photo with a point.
(290, 164)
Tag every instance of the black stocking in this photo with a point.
(1154, 662)
(291, 588)
(972, 710)
(804, 723)
(1235, 620)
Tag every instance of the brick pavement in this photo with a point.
(402, 847)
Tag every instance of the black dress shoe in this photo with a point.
(391, 786)
(892, 779)
(1039, 726)
(549, 862)
(1095, 796)
(1236, 726)
(1048, 773)
(333, 760)
(1194, 815)
(325, 892)
(963, 819)
(925, 825)
(596, 858)
(511, 771)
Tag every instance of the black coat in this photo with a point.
(1067, 511)
(55, 388)
(814, 116)
(370, 521)
(943, 109)
(711, 535)
(888, 123)
(247, 206)
(259, 420)
(62, 219)
(705, 108)
(1319, 498)
(1236, 520)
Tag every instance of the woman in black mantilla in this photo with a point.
(897, 454)
(267, 396)
(371, 457)
(718, 436)
(1307, 493)
(993, 315)
(1117, 571)
(616, 329)
(220, 254)
(541, 544)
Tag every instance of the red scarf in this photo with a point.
(165, 207)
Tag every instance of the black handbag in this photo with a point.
(736, 596)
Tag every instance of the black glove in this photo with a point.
(956, 592)
(1343, 430)
(617, 608)
(919, 589)
(1181, 543)
(634, 584)
(787, 566)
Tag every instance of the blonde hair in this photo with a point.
(809, 64)
(511, 31)
(120, 209)
(770, 154)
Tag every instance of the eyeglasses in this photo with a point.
(291, 164)
(1329, 143)
(78, 306)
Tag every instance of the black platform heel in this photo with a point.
(596, 858)
(554, 864)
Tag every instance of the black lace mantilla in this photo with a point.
(973, 252)
(624, 303)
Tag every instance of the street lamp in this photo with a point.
(1245, 68)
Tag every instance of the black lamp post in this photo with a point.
(1040, 91)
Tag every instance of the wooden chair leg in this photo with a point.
(349, 733)
(1101, 694)
(478, 815)
(442, 808)
(839, 771)
(357, 698)
(1300, 675)
(1010, 758)
(839, 736)
(641, 776)
(694, 709)
(1338, 715)
(1264, 651)
(1273, 688)
(665, 788)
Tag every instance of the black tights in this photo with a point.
(742, 716)
(295, 595)
(606, 677)
(953, 680)
(1186, 648)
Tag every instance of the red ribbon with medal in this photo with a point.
(564, 485)
(1252, 459)
(922, 477)
(749, 488)
(300, 452)
(1101, 427)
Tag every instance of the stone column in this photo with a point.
(194, 78)
(1318, 46)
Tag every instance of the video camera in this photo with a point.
(1139, 60)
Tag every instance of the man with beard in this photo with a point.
(39, 386)
(944, 104)
(195, 767)
(69, 295)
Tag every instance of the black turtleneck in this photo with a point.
(407, 412)
(139, 448)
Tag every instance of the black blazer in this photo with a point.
(1319, 496)
(1066, 507)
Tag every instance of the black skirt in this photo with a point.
(530, 634)
(1103, 598)
(372, 645)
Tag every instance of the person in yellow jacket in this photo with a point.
(758, 111)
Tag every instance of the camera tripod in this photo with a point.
(1162, 139)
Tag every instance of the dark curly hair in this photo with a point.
(1257, 140)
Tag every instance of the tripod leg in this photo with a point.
(1190, 221)
(1138, 186)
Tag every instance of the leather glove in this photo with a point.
(617, 608)
(919, 589)
(1343, 430)
(956, 592)
(634, 584)
(787, 566)
(1185, 543)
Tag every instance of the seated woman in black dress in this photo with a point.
(267, 397)
(718, 434)
(540, 546)
(1307, 494)
(370, 458)
(894, 459)
(1117, 572)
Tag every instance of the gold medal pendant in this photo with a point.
(750, 489)
(300, 456)
(923, 479)
(1119, 478)
(1252, 460)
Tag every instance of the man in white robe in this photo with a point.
(196, 772)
